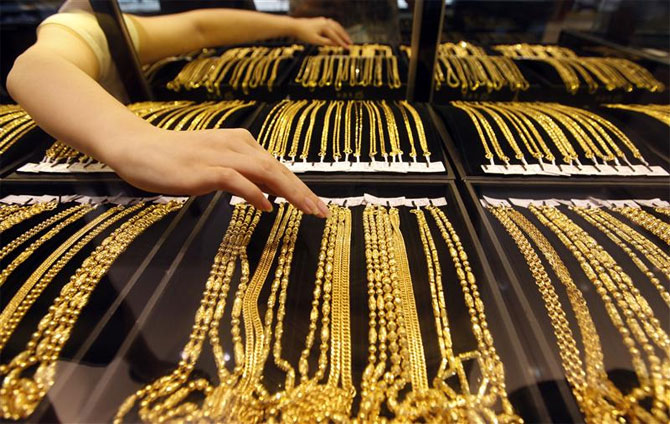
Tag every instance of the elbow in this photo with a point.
(17, 74)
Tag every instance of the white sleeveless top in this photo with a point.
(77, 16)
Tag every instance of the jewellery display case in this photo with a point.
(444, 294)
(138, 338)
(552, 241)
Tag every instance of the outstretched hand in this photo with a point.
(199, 162)
(321, 31)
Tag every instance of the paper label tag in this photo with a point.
(624, 170)
(234, 200)
(341, 166)
(494, 169)
(355, 201)
(360, 167)
(653, 203)
(399, 167)
(29, 167)
(372, 200)
(423, 167)
(422, 202)
(298, 167)
(584, 203)
(657, 171)
(551, 203)
(396, 201)
(524, 203)
(604, 169)
(69, 198)
(624, 203)
(551, 169)
(166, 199)
(599, 202)
(16, 199)
(496, 202)
(564, 202)
(439, 201)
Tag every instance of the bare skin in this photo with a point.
(55, 80)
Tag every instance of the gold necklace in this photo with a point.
(312, 399)
(31, 289)
(9, 247)
(21, 394)
(25, 212)
(659, 112)
(616, 231)
(153, 396)
(25, 254)
(638, 319)
(647, 221)
(490, 363)
(598, 398)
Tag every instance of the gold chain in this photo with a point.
(21, 392)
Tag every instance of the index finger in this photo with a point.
(342, 32)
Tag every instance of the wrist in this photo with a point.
(120, 148)
(290, 26)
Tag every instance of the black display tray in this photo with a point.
(526, 305)
(465, 149)
(142, 339)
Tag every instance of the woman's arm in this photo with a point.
(54, 80)
(171, 35)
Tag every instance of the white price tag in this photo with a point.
(657, 171)
(399, 167)
(372, 200)
(69, 198)
(496, 202)
(16, 199)
(551, 169)
(551, 203)
(421, 202)
(524, 203)
(624, 170)
(29, 167)
(584, 203)
(604, 169)
(439, 201)
(355, 201)
(580, 170)
(396, 201)
(624, 203)
(340, 166)
(235, 200)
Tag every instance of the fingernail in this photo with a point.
(323, 209)
(267, 206)
(310, 206)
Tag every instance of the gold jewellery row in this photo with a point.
(575, 71)
(583, 141)
(356, 135)
(240, 68)
(361, 65)
(467, 67)
(632, 233)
